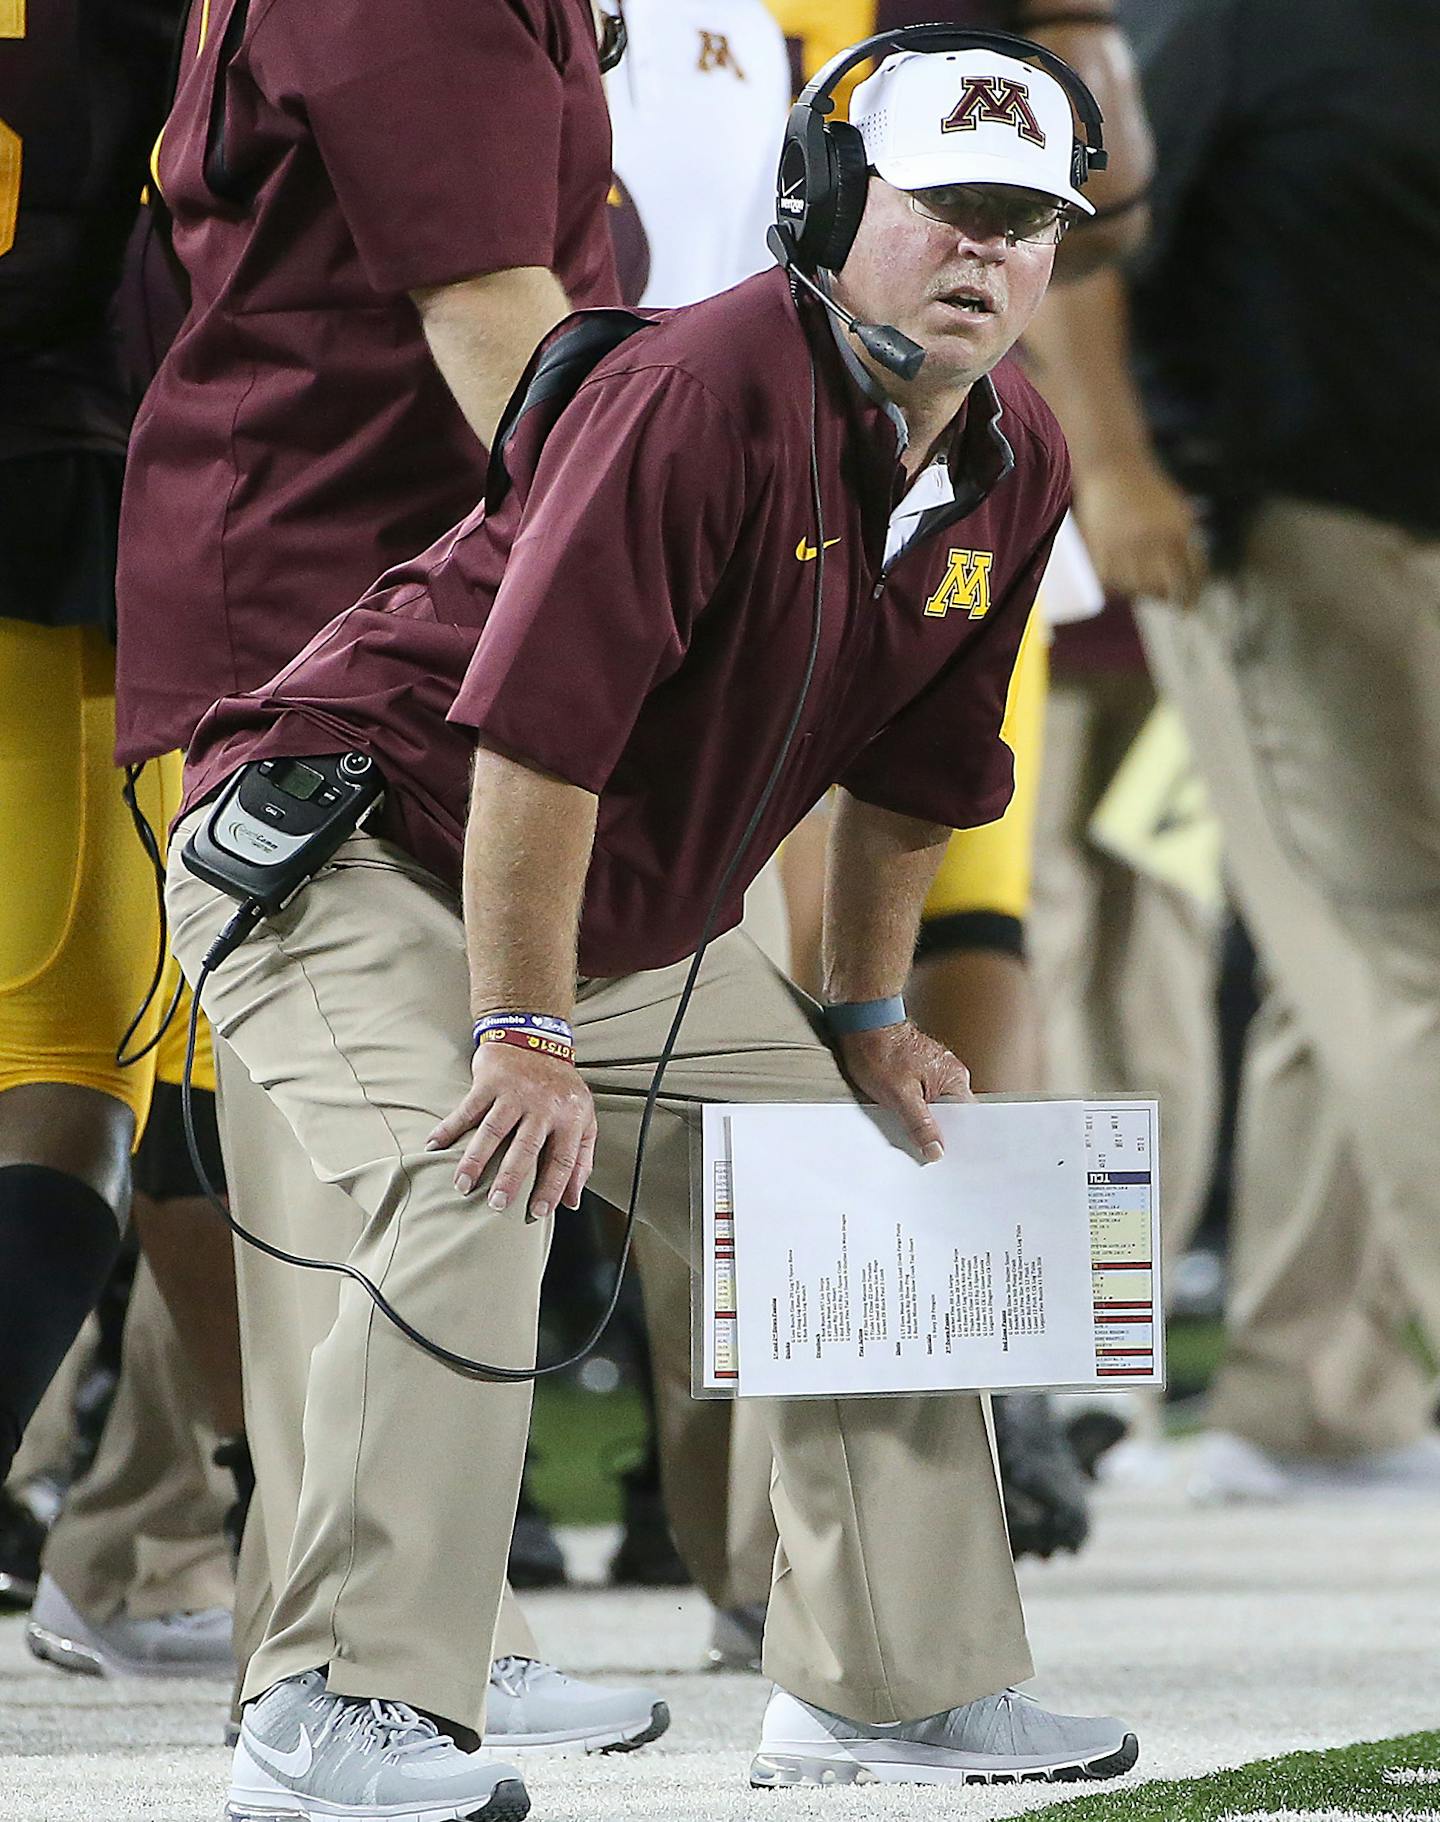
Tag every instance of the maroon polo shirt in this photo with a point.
(298, 439)
(635, 618)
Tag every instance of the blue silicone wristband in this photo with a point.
(847, 1016)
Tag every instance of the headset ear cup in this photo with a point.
(849, 182)
(792, 180)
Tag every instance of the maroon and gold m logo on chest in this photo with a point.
(998, 101)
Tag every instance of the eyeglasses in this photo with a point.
(991, 212)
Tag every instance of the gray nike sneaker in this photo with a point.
(1001, 1739)
(304, 1753)
(533, 1707)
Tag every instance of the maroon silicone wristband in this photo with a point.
(530, 1040)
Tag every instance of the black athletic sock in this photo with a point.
(58, 1242)
(465, 1738)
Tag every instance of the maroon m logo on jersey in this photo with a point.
(999, 101)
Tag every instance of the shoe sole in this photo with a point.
(785, 1770)
(67, 1653)
(508, 1802)
(608, 1741)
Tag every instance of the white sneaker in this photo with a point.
(534, 1707)
(1229, 1469)
(305, 1753)
(1138, 1464)
(173, 1645)
(1000, 1739)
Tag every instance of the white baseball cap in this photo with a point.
(967, 117)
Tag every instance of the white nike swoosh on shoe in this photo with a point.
(292, 1764)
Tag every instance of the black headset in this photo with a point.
(824, 172)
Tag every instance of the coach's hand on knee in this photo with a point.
(542, 1107)
(899, 1067)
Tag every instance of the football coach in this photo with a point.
(750, 553)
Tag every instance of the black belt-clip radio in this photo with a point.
(278, 821)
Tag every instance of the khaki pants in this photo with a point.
(349, 1010)
(715, 1458)
(285, 1313)
(49, 1436)
(714, 1453)
(1310, 685)
(142, 1530)
(1314, 1363)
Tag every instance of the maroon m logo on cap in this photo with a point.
(999, 101)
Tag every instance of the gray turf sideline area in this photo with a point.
(1222, 1636)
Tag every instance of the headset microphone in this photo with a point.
(894, 351)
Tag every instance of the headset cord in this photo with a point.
(151, 846)
(249, 914)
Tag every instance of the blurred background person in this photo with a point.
(79, 932)
(697, 104)
(68, 1116)
(138, 1574)
(1300, 643)
(138, 1569)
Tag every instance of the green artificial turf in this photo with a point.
(579, 1443)
(1192, 1353)
(1346, 1778)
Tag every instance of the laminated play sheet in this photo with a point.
(834, 1263)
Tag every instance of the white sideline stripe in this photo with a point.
(1412, 1774)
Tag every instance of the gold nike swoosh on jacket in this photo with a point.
(806, 552)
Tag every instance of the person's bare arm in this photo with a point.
(880, 868)
(482, 331)
(1098, 51)
(802, 874)
(1140, 528)
(527, 851)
